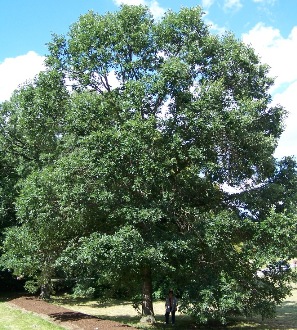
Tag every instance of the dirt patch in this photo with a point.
(65, 317)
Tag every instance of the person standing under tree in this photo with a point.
(170, 307)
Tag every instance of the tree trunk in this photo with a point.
(147, 292)
(45, 279)
(45, 291)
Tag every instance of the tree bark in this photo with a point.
(147, 292)
(45, 291)
(45, 279)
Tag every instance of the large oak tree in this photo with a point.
(124, 146)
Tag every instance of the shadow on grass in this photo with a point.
(70, 316)
(183, 322)
(286, 319)
(71, 301)
(7, 296)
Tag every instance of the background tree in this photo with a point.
(160, 115)
(32, 122)
(8, 179)
(30, 133)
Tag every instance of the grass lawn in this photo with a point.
(15, 319)
(123, 312)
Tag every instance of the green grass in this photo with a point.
(122, 311)
(15, 319)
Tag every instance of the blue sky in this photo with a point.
(270, 26)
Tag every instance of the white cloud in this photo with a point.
(268, 2)
(288, 142)
(15, 71)
(206, 4)
(129, 2)
(232, 4)
(280, 54)
(156, 10)
(214, 28)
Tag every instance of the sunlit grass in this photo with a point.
(122, 311)
(16, 319)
